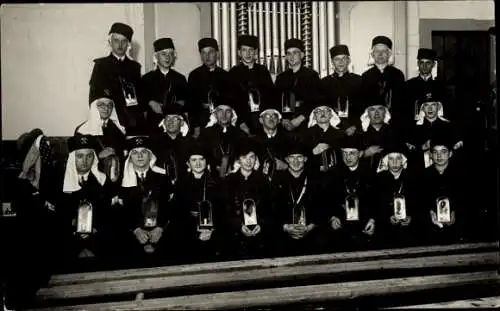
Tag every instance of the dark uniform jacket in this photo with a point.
(331, 157)
(112, 137)
(305, 85)
(416, 89)
(110, 73)
(201, 82)
(341, 92)
(166, 89)
(271, 148)
(243, 80)
(171, 154)
(387, 86)
(383, 138)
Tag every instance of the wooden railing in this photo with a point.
(319, 279)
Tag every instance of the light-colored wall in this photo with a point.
(46, 55)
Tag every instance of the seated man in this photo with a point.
(198, 199)
(442, 194)
(145, 194)
(394, 189)
(170, 142)
(220, 137)
(322, 139)
(298, 206)
(273, 140)
(109, 134)
(248, 206)
(87, 199)
(352, 214)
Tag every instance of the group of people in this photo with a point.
(231, 165)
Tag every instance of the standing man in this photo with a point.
(417, 87)
(206, 85)
(342, 90)
(119, 75)
(163, 86)
(298, 87)
(251, 85)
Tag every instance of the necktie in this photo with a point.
(82, 181)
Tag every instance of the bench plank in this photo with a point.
(300, 294)
(75, 278)
(275, 274)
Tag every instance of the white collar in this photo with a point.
(426, 78)
(85, 176)
(164, 71)
(145, 172)
(119, 58)
(353, 168)
(396, 176)
(271, 135)
(381, 67)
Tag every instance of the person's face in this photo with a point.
(224, 115)
(381, 54)
(395, 162)
(425, 66)
(350, 156)
(140, 157)
(294, 56)
(166, 58)
(247, 161)
(173, 123)
(197, 163)
(119, 44)
(296, 162)
(341, 63)
(105, 107)
(84, 158)
(376, 114)
(323, 115)
(430, 110)
(269, 120)
(209, 56)
(441, 155)
(247, 54)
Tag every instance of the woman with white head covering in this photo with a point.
(220, 137)
(395, 191)
(383, 82)
(103, 124)
(145, 194)
(35, 195)
(87, 199)
(321, 137)
(170, 142)
(164, 85)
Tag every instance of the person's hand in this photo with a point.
(434, 219)
(50, 206)
(205, 234)
(287, 124)
(460, 144)
(141, 235)
(320, 148)
(156, 106)
(156, 234)
(194, 213)
(335, 223)
(394, 221)
(372, 150)
(116, 201)
(280, 165)
(452, 219)
(256, 230)
(410, 146)
(245, 128)
(106, 152)
(246, 232)
(350, 130)
(427, 145)
(196, 132)
(84, 236)
(370, 227)
(297, 121)
(406, 221)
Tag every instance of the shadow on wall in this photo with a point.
(134, 50)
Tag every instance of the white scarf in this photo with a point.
(93, 126)
(384, 162)
(272, 111)
(213, 117)
(71, 180)
(365, 119)
(129, 176)
(334, 120)
(421, 114)
(371, 60)
(32, 164)
(184, 126)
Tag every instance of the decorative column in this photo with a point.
(400, 36)
(307, 31)
(242, 18)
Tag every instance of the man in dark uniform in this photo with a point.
(220, 137)
(351, 214)
(248, 205)
(274, 142)
(120, 75)
(206, 84)
(424, 83)
(384, 82)
(163, 86)
(342, 90)
(299, 209)
(252, 89)
(297, 88)
(170, 142)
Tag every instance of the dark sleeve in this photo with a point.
(269, 89)
(313, 91)
(192, 105)
(233, 221)
(143, 92)
(357, 103)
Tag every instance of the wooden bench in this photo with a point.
(363, 273)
